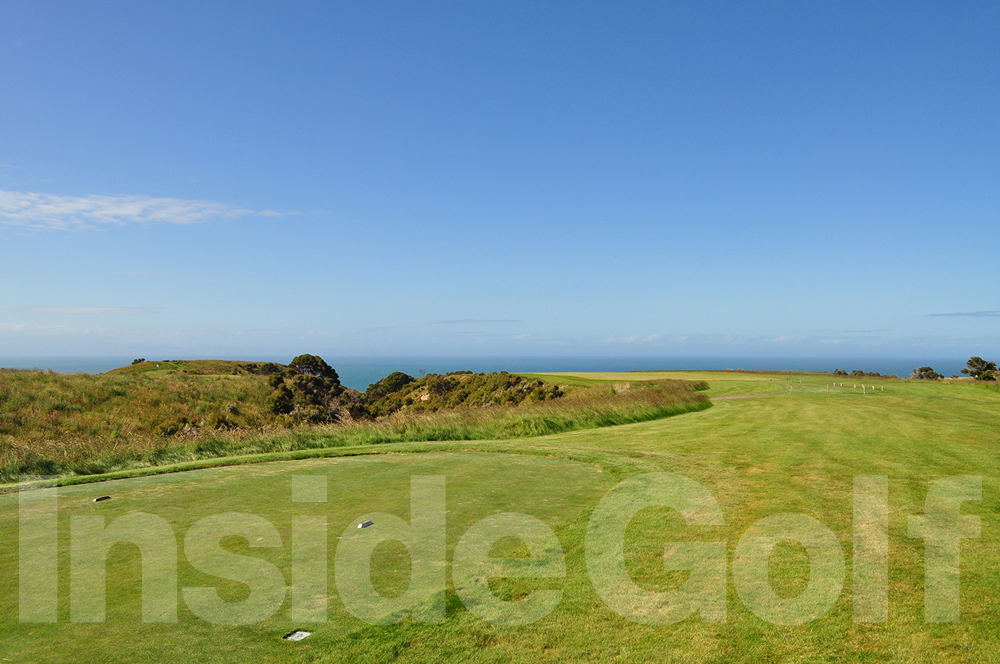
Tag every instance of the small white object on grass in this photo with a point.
(365, 524)
(297, 635)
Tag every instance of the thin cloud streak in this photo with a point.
(633, 338)
(970, 314)
(92, 311)
(191, 275)
(465, 321)
(49, 212)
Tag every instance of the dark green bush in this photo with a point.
(313, 365)
(282, 401)
(925, 373)
(391, 383)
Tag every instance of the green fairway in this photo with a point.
(795, 448)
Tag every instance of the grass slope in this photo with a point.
(785, 452)
(143, 416)
(198, 368)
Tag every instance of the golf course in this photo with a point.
(769, 444)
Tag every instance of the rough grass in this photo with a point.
(55, 424)
(82, 423)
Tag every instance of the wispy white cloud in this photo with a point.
(38, 211)
(631, 339)
(36, 331)
(782, 338)
(92, 311)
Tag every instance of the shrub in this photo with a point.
(171, 427)
(313, 365)
(282, 401)
(222, 422)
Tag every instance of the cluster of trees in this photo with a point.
(313, 365)
(433, 392)
(980, 369)
(925, 373)
(976, 367)
(309, 390)
(857, 372)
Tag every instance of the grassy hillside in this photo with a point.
(148, 415)
(52, 423)
(785, 452)
(199, 368)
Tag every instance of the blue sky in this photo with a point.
(662, 179)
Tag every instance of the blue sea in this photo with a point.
(359, 372)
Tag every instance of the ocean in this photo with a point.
(359, 372)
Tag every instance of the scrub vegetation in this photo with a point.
(151, 414)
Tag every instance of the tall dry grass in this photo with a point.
(54, 424)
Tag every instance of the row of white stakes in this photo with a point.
(863, 389)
